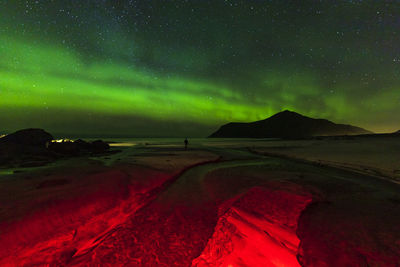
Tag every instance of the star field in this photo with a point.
(177, 68)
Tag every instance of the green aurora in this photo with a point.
(180, 68)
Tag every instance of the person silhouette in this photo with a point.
(186, 143)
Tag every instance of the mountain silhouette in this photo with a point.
(286, 124)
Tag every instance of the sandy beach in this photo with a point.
(219, 203)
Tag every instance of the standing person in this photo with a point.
(186, 143)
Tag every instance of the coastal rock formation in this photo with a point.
(78, 147)
(259, 228)
(99, 146)
(286, 124)
(25, 148)
(28, 137)
(36, 147)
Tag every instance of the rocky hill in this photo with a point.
(286, 124)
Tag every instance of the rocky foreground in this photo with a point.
(161, 205)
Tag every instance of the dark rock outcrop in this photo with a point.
(25, 148)
(286, 124)
(82, 145)
(36, 147)
(99, 146)
(79, 147)
(28, 137)
(68, 148)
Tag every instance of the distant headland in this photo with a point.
(286, 124)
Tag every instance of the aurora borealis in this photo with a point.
(176, 68)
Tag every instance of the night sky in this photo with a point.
(182, 68)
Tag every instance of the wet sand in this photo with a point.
(215, 204)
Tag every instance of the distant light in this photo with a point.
(2, 135)
(62, 141)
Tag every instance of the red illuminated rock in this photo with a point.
(258, 230)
